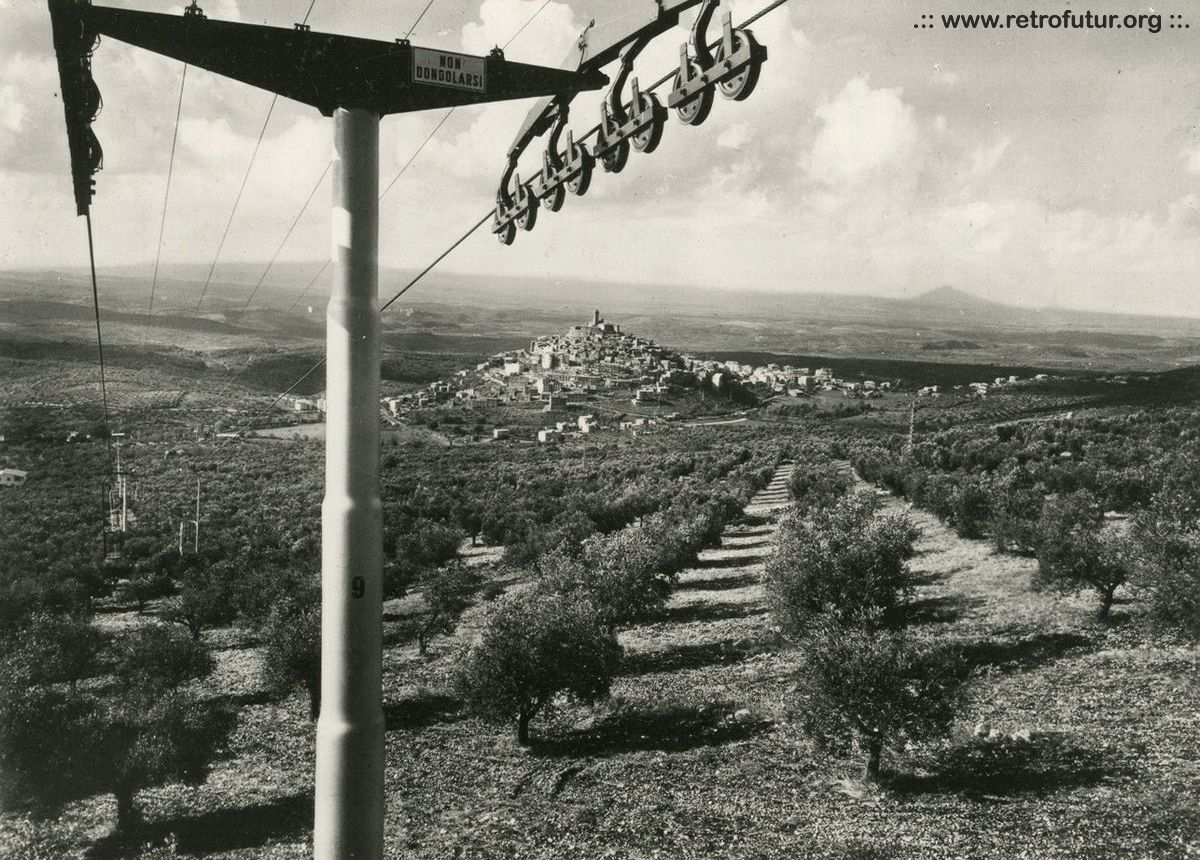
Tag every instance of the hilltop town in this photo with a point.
(598, 359)
(596, 367)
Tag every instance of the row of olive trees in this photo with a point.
(1078, 549)
(557, 636)
(838, 585)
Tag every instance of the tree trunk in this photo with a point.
(1107, 594)
(127, 813)
(874, 753)
(523, 726)
(422, 642)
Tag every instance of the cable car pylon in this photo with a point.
(354, 81)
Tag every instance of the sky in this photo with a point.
(1034, 167)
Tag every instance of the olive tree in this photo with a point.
(865, 688)
(207, 598)
(51, 649)
(533, 648)
(816, 485)
(1168, 558)
(1075, 551)
(446, 591)
(292, 646)
(844, 561)
(144, 729)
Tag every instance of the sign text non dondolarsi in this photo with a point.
(445, 69)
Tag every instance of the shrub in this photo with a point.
(1076, 553)
(867, 689)
(845, 561)
(534, 647)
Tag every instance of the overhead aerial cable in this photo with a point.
(250, 166)
(166, 198)
(418, 21)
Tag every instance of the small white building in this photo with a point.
(548, 436)
(12, 477)
(501, 433)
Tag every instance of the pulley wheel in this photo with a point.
(555, 199)
(650, 137)
(740, 86)
(696, 109)
(528, 218)
(582, 180)
(507, 234)
(615, 159)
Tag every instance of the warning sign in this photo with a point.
(443, 69)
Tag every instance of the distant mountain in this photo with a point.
(950, 298)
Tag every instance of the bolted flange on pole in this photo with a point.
(349, 801)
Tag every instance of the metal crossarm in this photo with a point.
(322, 70)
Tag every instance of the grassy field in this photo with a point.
(1079, 740)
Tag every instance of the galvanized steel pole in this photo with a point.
(349, 780)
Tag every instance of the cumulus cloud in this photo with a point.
(1192, 158)
(735, 137)
(12, 109)
(984, 159)
(546, 38)
(863, 130)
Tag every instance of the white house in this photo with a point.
(12, 477)
(546, 436)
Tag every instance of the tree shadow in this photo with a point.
(1026, 653)
(1007, 766)
(733, 561)
(423, 709)
(757, 544)
(241, 700)
(711, 612)
(938, 610)
(662, 728)
(753, 524)
(285, 818)
(693, 656)
(718, 583)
